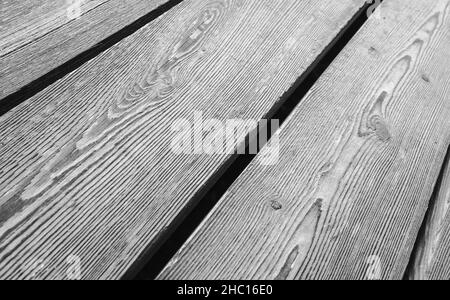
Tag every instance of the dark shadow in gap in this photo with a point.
(152, 262)
(15, 99)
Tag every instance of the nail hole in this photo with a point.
(425, 78)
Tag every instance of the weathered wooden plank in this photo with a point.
(432, 259)
(86, 166)
(36, 36)
(359, 157)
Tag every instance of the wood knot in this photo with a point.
(373, 51)
(276, 205)
(381, 128)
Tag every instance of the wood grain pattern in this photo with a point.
(37, 36)
(358, 161)
(432, 260)
(86, 167)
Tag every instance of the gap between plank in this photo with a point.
(422, 232)
(38, 85)
(158, 254)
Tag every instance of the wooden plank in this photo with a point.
(86, 166)
(358, 160)
(432, 259)
(36, 36)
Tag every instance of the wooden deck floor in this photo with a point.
(96, 96)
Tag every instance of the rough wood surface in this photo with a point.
(86, 167)
(37, 36)
(358, 161)
(432, 259)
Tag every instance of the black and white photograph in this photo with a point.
(224, 147)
